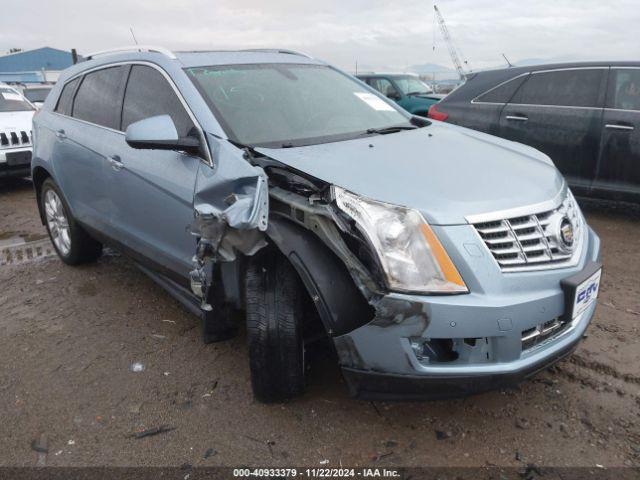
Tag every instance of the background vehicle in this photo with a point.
(16, 114)
(36, 94)
(407, 90)
(272, 183)
(585, 116)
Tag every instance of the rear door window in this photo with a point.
(66, 97)
(502, 93)
(99, 97)
(149, 94)
(571, 88)
(624, 89)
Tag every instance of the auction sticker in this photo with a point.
(374, 102)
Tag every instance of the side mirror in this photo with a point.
(159, 133)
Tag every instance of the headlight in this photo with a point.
(411, 255)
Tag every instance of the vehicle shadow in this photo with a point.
(614, 210)
(12, 184)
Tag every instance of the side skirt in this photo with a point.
(178, 292)
(172, 282)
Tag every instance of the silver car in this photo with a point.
(439, 261)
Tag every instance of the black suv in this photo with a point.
(585, 116)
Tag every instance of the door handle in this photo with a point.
(116, 164)
(60, 134)
(517, 118)
(615, 126)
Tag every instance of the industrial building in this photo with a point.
(34, 66)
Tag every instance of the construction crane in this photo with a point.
(453, 52)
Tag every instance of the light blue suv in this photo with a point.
(438, 260)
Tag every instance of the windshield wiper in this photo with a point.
(417, 93)
(393, 129)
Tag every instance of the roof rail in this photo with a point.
(132, 48)
(277, 50)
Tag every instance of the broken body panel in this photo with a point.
(246, 200)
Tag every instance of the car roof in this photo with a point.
(479, 82)
(188, 59)
(382, 74)
(239, 57)
(515, 71)
(556, 66)
(174, 64)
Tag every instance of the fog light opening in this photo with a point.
(437, 350)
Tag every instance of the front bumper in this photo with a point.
(486, 329)
(380, 386)
(15, 162)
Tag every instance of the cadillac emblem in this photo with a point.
(567, 233)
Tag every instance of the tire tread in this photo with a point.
(274, 317)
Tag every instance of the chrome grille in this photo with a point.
(544, 332)
(16, 138)
(529, 242)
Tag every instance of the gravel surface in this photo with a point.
(70, 394)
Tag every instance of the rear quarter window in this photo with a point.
(571, 88)
(503, 92)
(66, 97)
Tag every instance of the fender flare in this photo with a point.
(341, 306)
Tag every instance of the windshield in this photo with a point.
(12, 101)
(282, 105)
(412, 85)
(36, 94)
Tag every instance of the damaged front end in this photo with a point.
(338, 264)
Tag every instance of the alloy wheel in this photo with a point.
(57, 222)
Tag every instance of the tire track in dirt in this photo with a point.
(603, 369)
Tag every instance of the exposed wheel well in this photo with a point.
(337, 300)
(312, 328)
(38, 177)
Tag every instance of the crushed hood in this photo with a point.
(444, 171)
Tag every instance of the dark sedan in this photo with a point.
(585, 116)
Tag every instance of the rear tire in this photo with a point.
(274, 308)
(73, 245)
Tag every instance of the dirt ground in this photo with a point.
(68, 338)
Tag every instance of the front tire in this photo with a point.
(73, 245)
(274, 308)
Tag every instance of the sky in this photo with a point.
(377, 34)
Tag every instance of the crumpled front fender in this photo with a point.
(231, 211)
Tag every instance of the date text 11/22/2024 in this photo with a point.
(316, 473)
